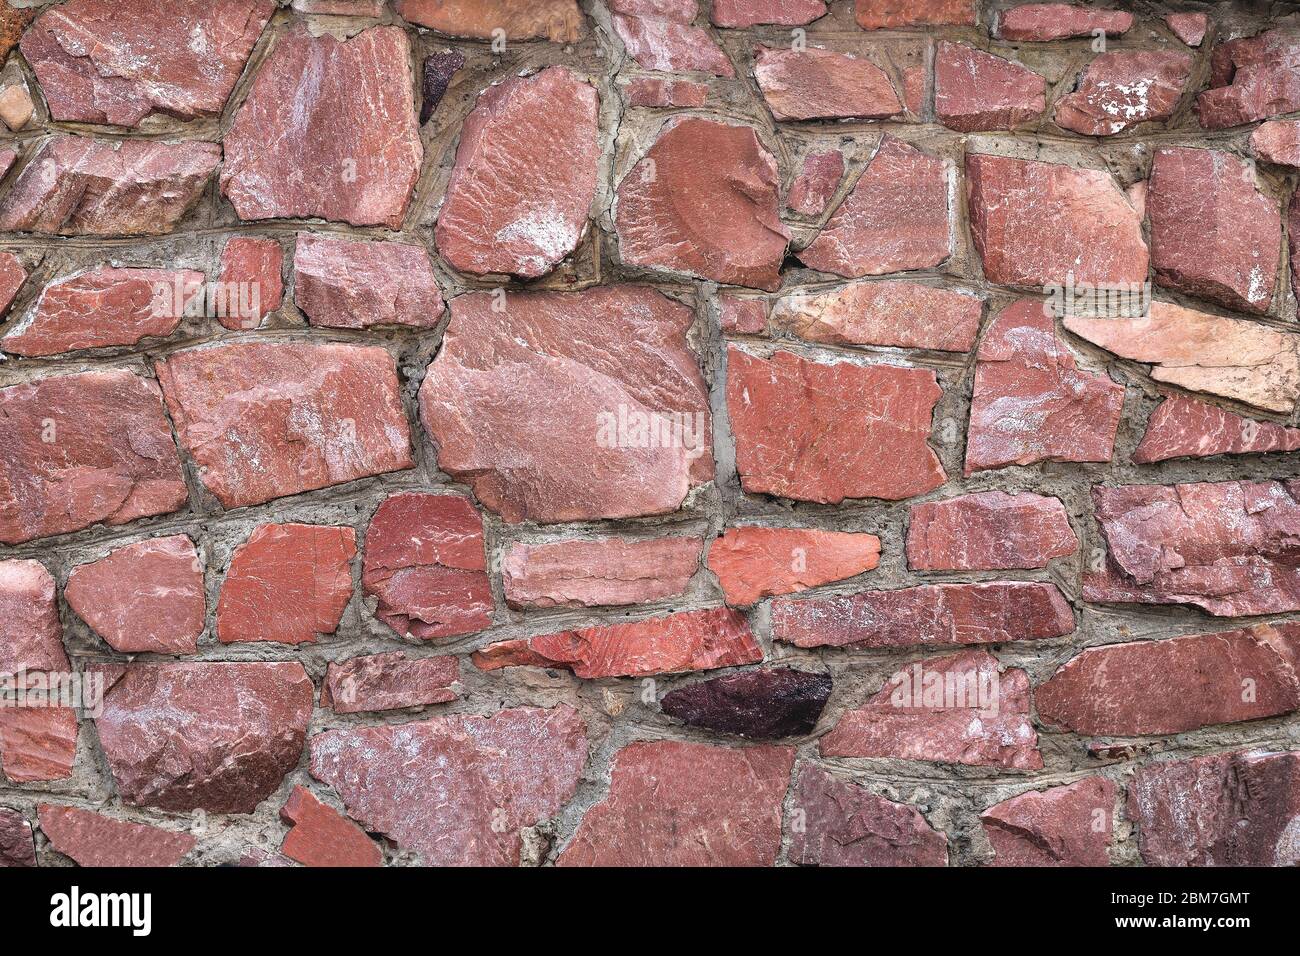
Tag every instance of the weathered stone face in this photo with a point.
(975, 91)
(605, 571)
(251, 273)
(12, 272)
(389, 682)
(16, 846)
(658, 91)
(988, 531)
(821, 84)
(748, 13)
(1185, 428)
(31, 636)
(891, 312)
(559, 21)
(1057, 21)
(1121, 89)
(763, 704)
(887, 14)
(1277, 141)
(819, 177)
(1188, 27)
(93, 839)
(344, 284)
(37, 743)
(658, 43)
(1252, 78)
(1070, 825)
(321, 836)
(439, 68)
(752, 563)
(846, 825)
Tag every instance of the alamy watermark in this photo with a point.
(1097, 300)
(916, 687)
(631, 427)
(83, 692)
(180, 299)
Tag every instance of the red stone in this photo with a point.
(993, 613)
(604, 571)
(481, 780)
(1184, 428)
(825, 432)
(306, 110)
(1039, 224)
(822, 84)
(345, 284)
(846, 825)
(753, 563)
(1121, 89)
(1188, 27)
(12, 275)
(886, 14)
(663, 91)
(321, 836)
(1251, 78)
(818, 180)
(559, 21)
(717, 220)
(679, 11)
(13, 21)
(84, 448)
(16, 845)
(674, 644)
(37, 743)
(895, 219)
(104, 307)
(956, 709)
(1070, 825)
(742, 315)
(1231, 548)
(1233, 809)
(93, 839)
(424, 564)
(1031, 402)
(31, 636)
(1213, 233)
(75, 186)
(263, 420)
(250, 273)
(1277, 141)
(287, 583)
(525, 176)
(539, 402)
(389, 682)
(1058, 21)
(1175, 685)
(118, 61)
(686, 804)
(213, 736)
(976, 91)
(660, 44)
(988, 531)
(144, 598)
(889, 312)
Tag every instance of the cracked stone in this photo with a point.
(890, 312)
(345, 284)
(94, 839)
(988, 531)
(321, 836)
(1251, 78)
(1061, 826)
(1185, 428)
(1121, 89)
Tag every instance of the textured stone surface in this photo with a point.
(819, 177)
(389, 682)
(992, 613)
(890, 312)
(37, 743)
(548, 416)
(264, 420)
(111, 456)
(525, 176)
(975, 91)
(752, 563)
(288, 153)
(748, 13)
(604, 571)
(1185, 428)
(886, 14)
(846, 825)
(251, 272)
(31, 636)
(1121, 89)
(822, 84)
(13, 21)
(1188, 27)
(825, 432)
(763, 704)
(988, 531)
(425, 566)
(896, 218)
(482, 780)
(742, 315)
(321, 836)
(1229, 547)
(93, 839)
(343, 284)
(718, 220)
(12, 274)
(1069, 825)
(661, 44)
(1056, 21)
(435, 77)
(1277, 141)
(16, 846)
(686, 804)
(559, 21)
(287, 583)
(1252, 78)
(117, 62)
(144, 598)
(213, 736)
(661, 91)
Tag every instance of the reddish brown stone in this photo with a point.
(1230, 548)
(660, 44)
(345, 284)
(1277, 141)
(31, 636)
(104, 307)
(213, 736)
(93, 839)
(12, 275)
(16, 845)
(846, 825)
(481, 780)
(685, 804)
(118, 61)
(525, 176)
(752, 563)
(75, 186)
(673, 644)
(1031, 402)
(1252, 78)
(718, 220)
(1233, 809)
(822, 84)
(306, 110)
(993, 613)
(955, 709)
(819, 178)
(287, 583)
(826, 432)
(321, 836)
(605, 571)
(264, 420)
(439, 68)
(37, 743)
(1039, 224)
(1062, 826)
(742, 315)
(988, 531)
(389, 682)
(559, 21)
(1057, 21)
(895, 219)
(762, 704)
(1175, 685)
(424, 564)
(1188, 27)
(145, 598)
(250, 274)
(13, 21)
(81, 449)
(976, 91)
(538, 403)
(750, 13)
(1121, 89)
(1184, 428)
(886, 14)
(663, 91)
(891, 312)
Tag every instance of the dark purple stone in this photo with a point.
(16, 847)
(438, 71)
(761, 704)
